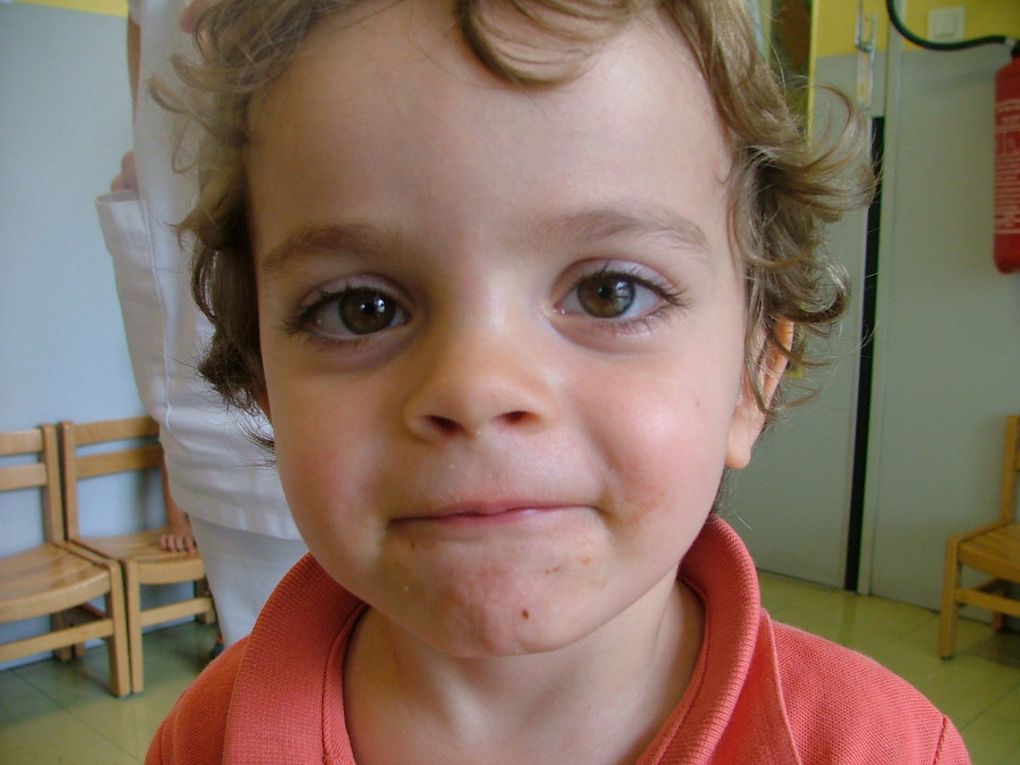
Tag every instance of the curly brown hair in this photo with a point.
(783, 189)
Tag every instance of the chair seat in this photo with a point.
(155, 565)
(47, 579)
(995, 552)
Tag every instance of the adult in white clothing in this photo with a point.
(217, 475)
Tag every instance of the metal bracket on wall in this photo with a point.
(864, 42)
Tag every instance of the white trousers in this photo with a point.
(242, 568)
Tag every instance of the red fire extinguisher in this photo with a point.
(1007, 138)
(1007, 166)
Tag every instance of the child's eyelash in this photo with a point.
(347, 315)
(299, 319)
(672, 295)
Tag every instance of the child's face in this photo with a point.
(502, 330)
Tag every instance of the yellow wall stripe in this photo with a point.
(105, 7)
(837, 19)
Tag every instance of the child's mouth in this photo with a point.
(486, 514)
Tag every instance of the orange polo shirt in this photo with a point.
(761, 692)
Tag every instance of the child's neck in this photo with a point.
(600, 700)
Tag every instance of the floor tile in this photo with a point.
(73, 681)
(1007, 708)
(130, 724)
(20, 700)
(991, 739)
(80, 751)
(55, 736)
(781, 594)
(1002, 647)
(861, 623)
(1011, 758)
(72, 698)
(965, 685)
(968, 688)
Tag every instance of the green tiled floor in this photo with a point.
(55, 713)
(63, 713)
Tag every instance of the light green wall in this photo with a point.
(947, 339)
(63, 354)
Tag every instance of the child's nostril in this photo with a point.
(445, 424)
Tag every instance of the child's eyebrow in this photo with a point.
(316, 240)
(582, 229)
(590, 227)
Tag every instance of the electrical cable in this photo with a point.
(944, 46)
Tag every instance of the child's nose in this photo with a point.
(470, 383)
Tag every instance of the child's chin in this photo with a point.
(513, 641)
(488, 632)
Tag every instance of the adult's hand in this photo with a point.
(178, 537)
(128, 178)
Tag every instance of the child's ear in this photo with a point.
(748, 418)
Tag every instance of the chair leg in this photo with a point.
(950, 608)
(58, 623)
(117, 643)
(201, 589)
(62, 621)
(133, 595)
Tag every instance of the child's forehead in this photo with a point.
(525, 29)
(536, 38)
(423, 137)
(413, 50)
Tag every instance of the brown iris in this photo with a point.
(606, 296)
(364, 311)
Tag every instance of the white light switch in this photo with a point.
(946, 24)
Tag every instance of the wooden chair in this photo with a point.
(52, 579)
(141, 558)
(993, 549)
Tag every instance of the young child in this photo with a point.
(515, 283)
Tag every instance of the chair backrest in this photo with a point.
(1010, 468)
(43, 474)
(142, 451)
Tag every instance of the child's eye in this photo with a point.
(352, 312)
(617, 295)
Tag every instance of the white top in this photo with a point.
(216, 472)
